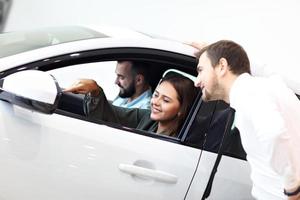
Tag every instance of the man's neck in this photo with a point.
(229, 81)
(139, 92)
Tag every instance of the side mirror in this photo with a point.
(31, 89)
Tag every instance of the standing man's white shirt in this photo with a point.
(267, 115)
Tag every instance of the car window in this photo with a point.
(22, 41)
(102, 72)
(208, 128)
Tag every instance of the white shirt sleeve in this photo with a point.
(271, 128)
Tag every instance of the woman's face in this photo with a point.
(164, 103)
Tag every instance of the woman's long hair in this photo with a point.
(186, 93)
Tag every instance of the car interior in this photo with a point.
(71, 104)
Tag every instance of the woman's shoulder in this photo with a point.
(146, 123)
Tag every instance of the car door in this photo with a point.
(61, 156)
(222, 167)
(58, 157)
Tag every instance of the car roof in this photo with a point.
(107, 38)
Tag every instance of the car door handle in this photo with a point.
(148, 173)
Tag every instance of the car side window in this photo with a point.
(102, 72)
(208, 129)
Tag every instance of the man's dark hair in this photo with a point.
(139, 67)
(234, 53)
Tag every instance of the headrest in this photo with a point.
(193, 78)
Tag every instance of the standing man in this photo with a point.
(267, 115)
(132, 79)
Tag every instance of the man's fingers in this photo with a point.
(82, 86)
(198, 45)
(75, 88)
(71, 89)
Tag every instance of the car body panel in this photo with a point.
(70, 165)
(232, 178)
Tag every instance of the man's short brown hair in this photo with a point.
(234, 53)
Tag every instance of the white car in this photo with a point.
(50, 150)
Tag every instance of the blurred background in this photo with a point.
(267, 29)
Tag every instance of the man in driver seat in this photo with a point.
(135, 90)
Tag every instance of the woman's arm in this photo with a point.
(97, 107)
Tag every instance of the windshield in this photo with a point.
(16, 42)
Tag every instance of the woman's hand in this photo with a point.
(84, 86)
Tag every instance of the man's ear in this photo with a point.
(139, 79)
(223, 66)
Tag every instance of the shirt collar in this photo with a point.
(145, 94)
(236, 87)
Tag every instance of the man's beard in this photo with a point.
(128, 92)
(214, 94)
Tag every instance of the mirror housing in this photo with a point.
(31, 89)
